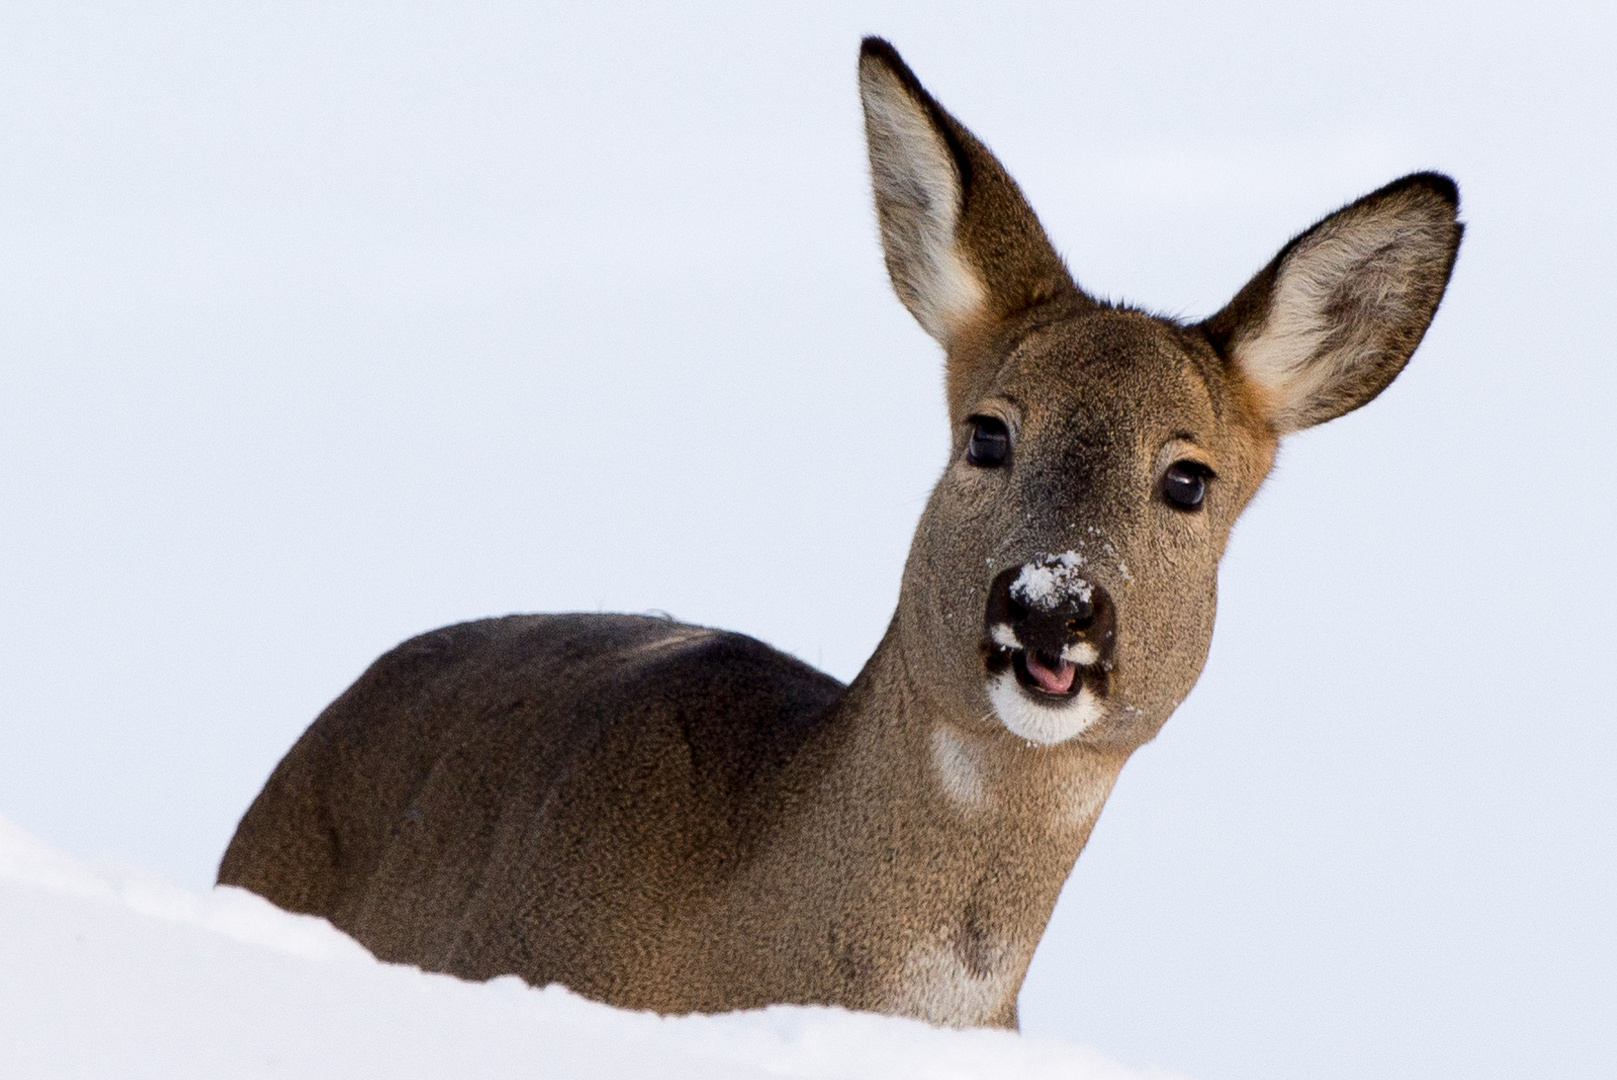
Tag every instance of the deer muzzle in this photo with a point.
(1052, 624)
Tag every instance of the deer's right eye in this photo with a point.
(990, 442)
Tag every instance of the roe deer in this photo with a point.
(675, 818)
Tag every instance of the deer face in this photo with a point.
(1064, 576)
(1069, 554)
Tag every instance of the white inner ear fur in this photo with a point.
(918, 199)
(1304, 348)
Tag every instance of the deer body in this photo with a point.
(673, 818)
(670, 817)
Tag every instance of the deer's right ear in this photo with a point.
(962, 245)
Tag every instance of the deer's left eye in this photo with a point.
(1184, 485)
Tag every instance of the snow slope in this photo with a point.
(109, 971)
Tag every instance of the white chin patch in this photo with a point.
(1036, 721)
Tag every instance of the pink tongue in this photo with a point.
(1058, 681)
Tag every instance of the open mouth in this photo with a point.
(1052, 680)
(1045, 675)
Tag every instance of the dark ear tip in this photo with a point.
(1439, 184)
(878, 48)
(875, 50)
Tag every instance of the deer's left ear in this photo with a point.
(1334, 318)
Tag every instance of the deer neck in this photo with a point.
(930, 845)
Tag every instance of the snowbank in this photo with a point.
(107, 971)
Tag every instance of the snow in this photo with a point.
(111, 971)
(1047, 582)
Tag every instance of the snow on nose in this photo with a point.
(1050, 581)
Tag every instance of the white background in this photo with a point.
(321, 326)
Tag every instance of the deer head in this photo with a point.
(1063, 578)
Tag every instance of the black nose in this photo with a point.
(1048, 611)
